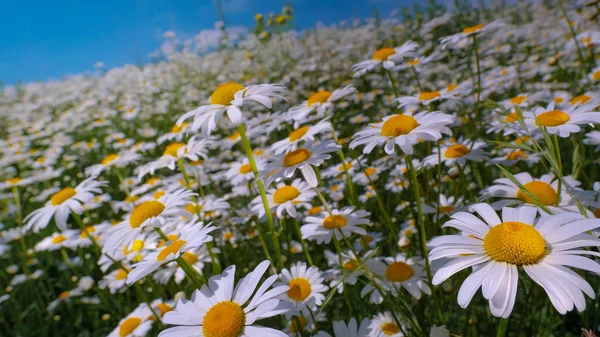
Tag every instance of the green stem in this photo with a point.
(574, 36)
(303, 243)
(502, 327)
(389, 73)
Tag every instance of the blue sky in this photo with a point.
(43, 40)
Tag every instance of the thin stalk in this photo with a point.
(502, 327)
(190, 272)
(389, 73)
(302, 242)
(574, 36)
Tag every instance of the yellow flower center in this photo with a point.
(129, 325)
(315, 210)
(224, 319)
(428, 95)
(224, 93)
(63, 295)
(121, 275)
(515, 243)
(472, 29)
(145, 211)
(171, 149)
(596, 75)
(89, 229)
(383, 54)
(398, 125)
(558, 100)
(398, 272)
(518, 99)
(62, 195)
(390, 328)
(285, 193)
(516, 155)
(234, 136)
(190, 257)
(456, 151)
(414, 62)
(136, 246)
(299, 289)
(446, 209)
(318, 97)
(580, 99)
(338, 221)
(245, 169)
(541, 190)
(511, 117)
(164, 308)
(296, 157)
(350, 265)
(58, 239)
(178, 128)
(553, 118)
(131, 198)
(170, 249)
(13, 181)
(370, 171)
(298, 133)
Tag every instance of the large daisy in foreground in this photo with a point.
(497, 248)
(221, 309)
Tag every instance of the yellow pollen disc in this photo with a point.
(234, 136)
(285, 193)
(190, 257)
(370, 171)
(158, 194)
(518, 99)
(228, 235)
(164, 308)
(328, 222)
(413, 62)
(516, 155)
(580, 99)
(13, 181)
(296, 157)
(472, 29)
(596, 75)
(245, 169)
(446, 209)
(318, 97)
(136, 246)
(398, 272)
(90, 229)
(558, 100)
(544, 192)
(224, 319)
(451, 87)
(177, 128)
(145, 211)
(511, 117)
(224, 93)
(171, 150)
(315, 210)
(58, 239)
(121, 275)
(350, 265)
(456, 151)
(298, 133)
(297, 324)
(63, 295)
(390, 328)
(62, 195)
(342, 168)
(428, 95)
(129, 325)
(398, 125)
(152, 181)
(299, 289)
(553, 118)
(171, 237)
(515, 243)
(383, 54)
(131, 198)
(170, 249)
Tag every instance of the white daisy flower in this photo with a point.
(457, 153)
(562, 122)
(496, 249)
(229, 97)
(469, 31)
(340, 329)
(384, 325)
(177, 133)
(240, 172)
(404, 130)
(305, 287)
(284, 165)
(510, 157)
(137, 324)
(195, 149)
(319, 101)
(321, 228)
(388, 57)
(62, 203)
(285, 198)
(304, 133)
(221, 309)
(117, 160)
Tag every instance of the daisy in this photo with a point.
(117, 160)
(389, 57)
(114, 281)
(284, 165)
(304, 134)
(510, 157)
(424, 97)
(404, 130)
(340, 329)
(467, 32)
(221, 309)
(240, 172)
(229, 97)
(64, 296)
(396, 273)
(384, 325)
(151, 213)
(176, 134)
(137, 324)
(62, 203)
(544, 247)
(195, 149)
(285, 198)
(191, 237)
(447, 205)
(544, 189)
(319, 101)
(56, 241)
(321, 228)
(349, 265)
(562, 122)
(305, 287)
(457, 153)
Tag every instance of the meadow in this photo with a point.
(364, 179)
